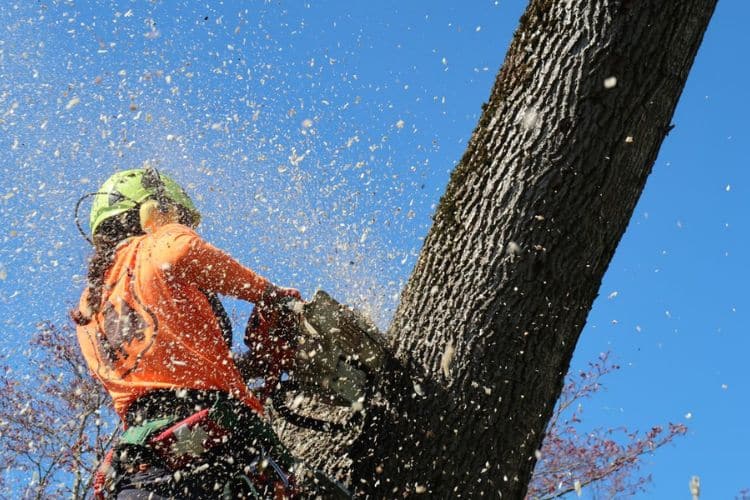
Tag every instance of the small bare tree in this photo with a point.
(606, 460)
(55, 421)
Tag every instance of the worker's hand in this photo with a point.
(276, 293)
(289, 292)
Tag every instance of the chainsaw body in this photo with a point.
(322, 347)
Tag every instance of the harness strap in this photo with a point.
(171, 431)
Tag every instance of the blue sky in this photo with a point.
(317, 137)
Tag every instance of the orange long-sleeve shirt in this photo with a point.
(156, 329)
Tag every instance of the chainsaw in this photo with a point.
(319, 347)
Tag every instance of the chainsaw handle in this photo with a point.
(312, 423)
(285, 386)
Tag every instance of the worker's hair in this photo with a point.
(108, 235)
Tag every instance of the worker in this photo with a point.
(148, 329)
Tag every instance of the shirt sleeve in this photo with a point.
(212, 270)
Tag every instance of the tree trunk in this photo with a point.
(532, 215)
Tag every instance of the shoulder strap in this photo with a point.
(225, 324)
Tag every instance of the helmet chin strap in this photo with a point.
(78, 219)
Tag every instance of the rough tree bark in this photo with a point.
(532, 215)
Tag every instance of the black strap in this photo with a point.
(225, 324)
(163, 403)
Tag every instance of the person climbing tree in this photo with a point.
(154, 334)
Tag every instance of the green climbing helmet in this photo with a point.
(127, 189)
